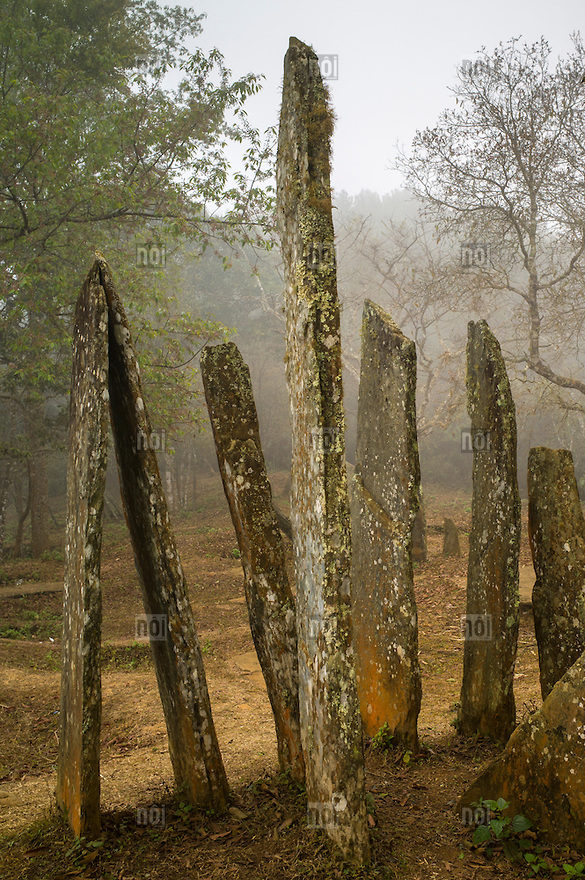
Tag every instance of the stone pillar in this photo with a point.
(271, 605)
(491, 623)
(180, 673)
(385, 498)
(330, 715)
(556, 528)
(78, 769)
(451, 545)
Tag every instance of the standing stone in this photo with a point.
(78, 771)
(330, 715)
(385, 497)
(491, 623)
(450, 539)
(271, 606)
(178, 662)
(541, 771)
(556, 528)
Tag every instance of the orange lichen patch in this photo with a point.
(383, 699)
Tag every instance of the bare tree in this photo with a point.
(504, 171)
(400, 266)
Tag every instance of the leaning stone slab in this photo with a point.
(491, 622)
(385, 498)
(542, 768)
(271, 606)
(556, 528)
(330, 716)
(78, 769)
(193, 746)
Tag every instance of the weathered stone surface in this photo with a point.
(330, 716)
(542, 768)
(419, 532)
(385, 497)
(78, 773)
(180, 673)
(556, 528)
(491, 626)
(271, 607)
(450, 538)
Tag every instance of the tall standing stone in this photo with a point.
(78, 773)
(330, 715)
(385, 499)
(271, 606)
(556, 528)
(193, 746)
(491, 623)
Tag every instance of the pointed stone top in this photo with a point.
(372, 309)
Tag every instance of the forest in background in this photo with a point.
(101, 153)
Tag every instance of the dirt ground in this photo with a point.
(148, 831)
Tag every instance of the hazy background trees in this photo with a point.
(114, 126)
(113, 129)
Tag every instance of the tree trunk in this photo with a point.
(21, 513)
(5, 476)
(39, 502)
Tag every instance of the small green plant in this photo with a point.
(206, 647)
(382, 740)
(498, 832)
(183, 810)
(84, 850)
(236, 553)
(501, 828)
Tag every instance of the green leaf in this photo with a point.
(520, 824)
(497, 826)
(481, 834)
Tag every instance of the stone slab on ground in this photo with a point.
(542, 768)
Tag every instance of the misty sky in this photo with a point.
(395, 61)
